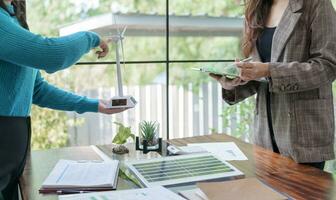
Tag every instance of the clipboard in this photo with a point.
(72, 177)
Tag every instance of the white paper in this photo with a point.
(192, 149)
(225, 150)
(153, 193)
(182, 150)
(69, 173)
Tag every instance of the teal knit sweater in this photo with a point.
(23, 54)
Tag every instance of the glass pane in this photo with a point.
(205, 30)
(197, 108)
(144, 37)
(145, 82)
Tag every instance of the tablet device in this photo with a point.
(230, 72)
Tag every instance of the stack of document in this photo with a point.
(153, 193)
(75, 176)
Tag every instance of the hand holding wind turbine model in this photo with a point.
(120, 101)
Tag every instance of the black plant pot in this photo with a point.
(145, 147)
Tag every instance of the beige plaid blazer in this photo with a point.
(303, 67)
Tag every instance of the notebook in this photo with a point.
(69, 175)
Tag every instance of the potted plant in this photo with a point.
(149, 134)
(123, 134)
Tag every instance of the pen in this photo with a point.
(245, 60)
(69, 191)
(231, 65)
(198, 69)
(234, 65)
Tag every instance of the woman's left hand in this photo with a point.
(253, 70)
(103, 108)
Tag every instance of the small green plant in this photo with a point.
(123, 134)
(148, 132)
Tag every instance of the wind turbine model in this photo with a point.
(120, 101)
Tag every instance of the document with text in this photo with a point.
(86, 175)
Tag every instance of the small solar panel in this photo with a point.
(177, 170)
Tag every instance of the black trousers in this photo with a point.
(318, 165)
(15, 133)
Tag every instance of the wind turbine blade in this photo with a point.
(123, 32)
(122, 49)
(115, 22)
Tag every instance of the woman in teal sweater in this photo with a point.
(22, 56)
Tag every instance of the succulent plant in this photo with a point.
(148, 132)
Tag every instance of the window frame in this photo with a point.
(22, 7)
(167, 62)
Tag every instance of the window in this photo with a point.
(158, 62)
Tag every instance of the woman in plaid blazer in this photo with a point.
(293, 45)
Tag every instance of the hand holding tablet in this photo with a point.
(230, 71)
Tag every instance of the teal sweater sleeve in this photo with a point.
(21, 47)
(46, 95)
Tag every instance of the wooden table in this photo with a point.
(281, 173)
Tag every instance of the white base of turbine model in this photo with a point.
(120, 101)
